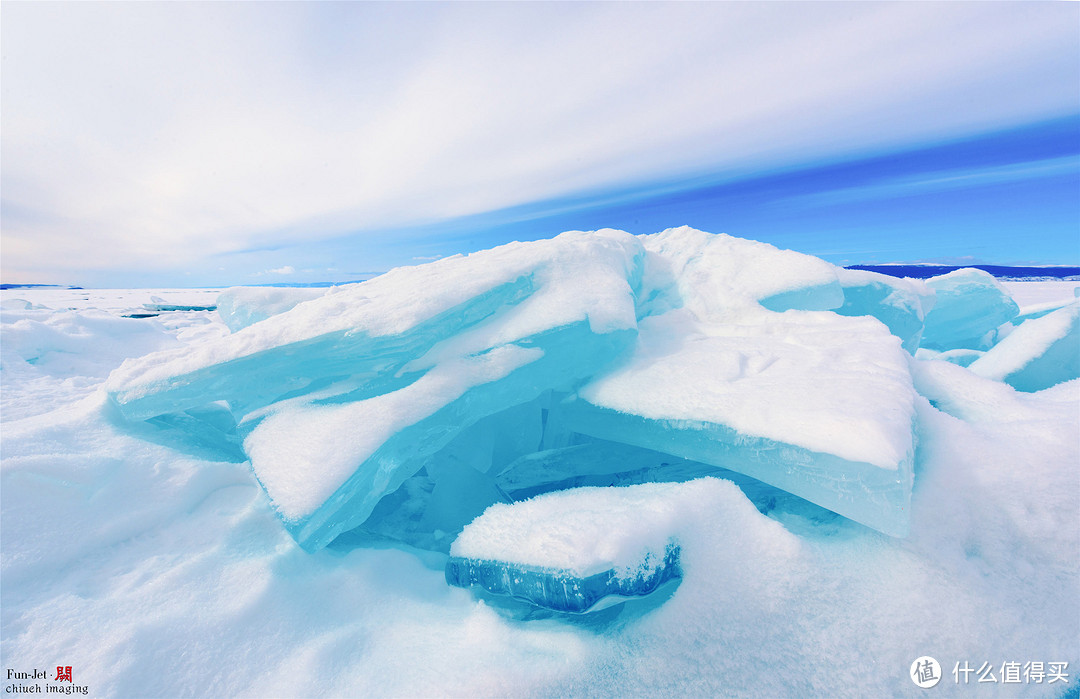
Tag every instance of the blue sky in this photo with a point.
(163, 144)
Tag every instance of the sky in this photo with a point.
(208, 144)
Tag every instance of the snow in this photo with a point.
(242, 306)
(1034, 294)
(901, 304)
(155, 569)
(1038, 354)
(785, 379)
(293, 438)
(719, 343)
(586, 530)
(404, 299)
(718, 275)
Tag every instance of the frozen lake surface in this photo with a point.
(155, 571)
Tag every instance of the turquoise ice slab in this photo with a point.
(901, 314)
(818, 297)
(284, 371)
(570, 354)
(1058, 363)
(969, 308)
(562, 590)
(241, 306)
(1040, 353)
(876, 497)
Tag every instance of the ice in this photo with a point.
(720, 275)
(963, 357)
(242, 306)
(970, 306)
(69, 343)
(901, 304)
(372, 330)
(1036, 294)
(172, 307)
(155, 572)
(343, 398)
(392, 408)
(16, 305)
(814, 403)
(1040, 353)
(582, 549)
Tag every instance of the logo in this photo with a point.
(925, 672)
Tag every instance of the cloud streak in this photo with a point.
(909, 186)
(159, 134)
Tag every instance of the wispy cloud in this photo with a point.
(931, 183)
(159, 134)
(287, 269)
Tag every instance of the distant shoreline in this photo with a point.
(1001, 272)
(1004, 272)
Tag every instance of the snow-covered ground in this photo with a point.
(1038, 293)
(152, 572)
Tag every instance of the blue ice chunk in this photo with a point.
(242, 306)
(592, 462)
(564, 590)
(208, 432)
(252, 381)
(394, 408)
(1040, 353)
(568, 355)
(342, 400)
(816, 297)
(459, 495)
(900, 304)
(456, 484)
(814, 403)
(1032, 312)
(970, 306)
(876, 497)
(582, 549)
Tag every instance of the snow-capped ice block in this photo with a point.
(726, 273)
(242, 306)
(901, 304)
(970, 305)
(817, 404)
(1040, 309)
(326, 465)
(344, 397)
(576, 550)
(392, 407)
(368, 332)
(1038, 354)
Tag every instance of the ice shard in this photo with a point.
(1040, 353)
(901, 304)
(814, 403)
(242, 306)
(970, 305)
(343, 398)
